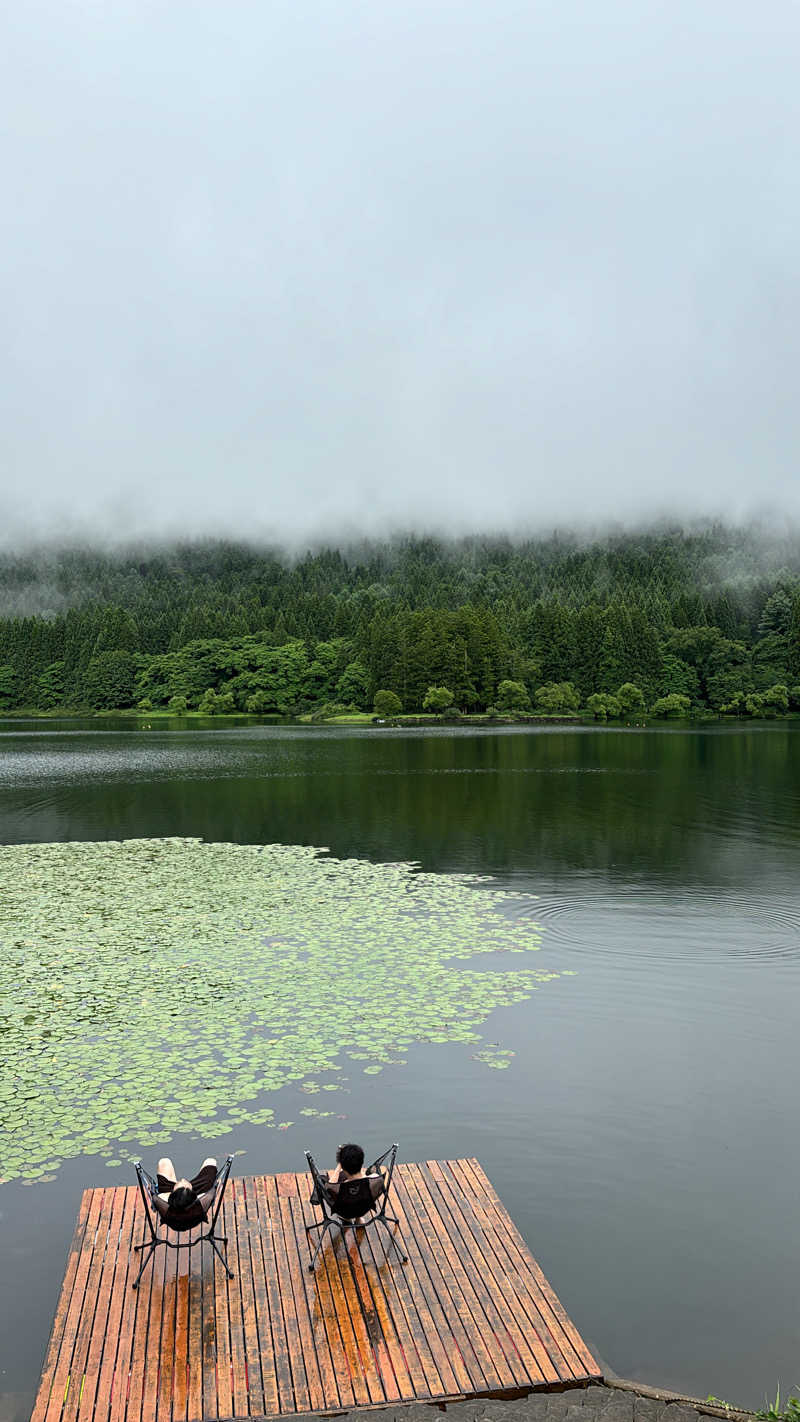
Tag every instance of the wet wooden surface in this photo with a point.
(469, 1314)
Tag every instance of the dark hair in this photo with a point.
(181, 1198)
(350, 1157)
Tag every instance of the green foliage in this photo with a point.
(8, 685)
(387, 703)
(51, 686)
(352, 687)
(679, 678)
(701, 613)
(630, 698)
(437, 698)
(329, 709)
(769, 662)
(145, 704)
(772, 702)
(737, 706)
(177, 705)
(512, 696)
(773, 1411)
(602, 705)
(557, 697)
(672, 705)
(122, 1013)
(776, 618)
(109, 679)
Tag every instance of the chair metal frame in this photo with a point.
(148, 1188)
(331, 1221)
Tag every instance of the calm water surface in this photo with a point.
(645, 1137)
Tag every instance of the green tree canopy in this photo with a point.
(387, 703)
(557, 697)
(437, 698)
(602, 704)
(512, 696)
(630, 698)
(673, 705)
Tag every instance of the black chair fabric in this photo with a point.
(148, 1188)
(335, 1205)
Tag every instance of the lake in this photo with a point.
(644, 1135)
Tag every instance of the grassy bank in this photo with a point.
(370, 719)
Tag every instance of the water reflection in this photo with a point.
(642, 1137)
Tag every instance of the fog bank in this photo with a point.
(310, 272)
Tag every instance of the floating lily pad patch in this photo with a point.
(494, 1057)
(157, 987)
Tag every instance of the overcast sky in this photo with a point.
(301, 267)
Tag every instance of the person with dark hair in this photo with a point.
(352, 1192)
(185, 1203)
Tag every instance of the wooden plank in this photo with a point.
(499, 1285)
(443, 1258)
(589, 1366)
(338, 1257)
(446, 1317)
(180, 1370)
(552, 1360)
(364, 1374)
(201, 1259)
(261, 1224)
(223, 1369)
(113, 1210)
(447, 1340)
(426, 1317)
(276, 1327)
(240, 1406)
(62, 1374)
(146, 1357)
(62, 1310)
(386, 1274)
(383, 1353)
(209, 1400)
(319, 1396)
(470, 1314)
(129, 1364)
(334, 1315)
(325, 1324)
(302, 1402)
(122, 1299)
(488, 1318)
(584, 1364)
(517, 1281)
(166, 1351)
(243, 1208)
(392, 1348)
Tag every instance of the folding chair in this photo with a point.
(148, 1188)
(330, 1220)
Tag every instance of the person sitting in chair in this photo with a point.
(351, 1192)
(185, 1203)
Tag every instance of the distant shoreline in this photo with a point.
(368, 719)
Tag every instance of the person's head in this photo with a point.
(182, 1197)
(351, 1158)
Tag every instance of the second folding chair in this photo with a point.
(353, 1206)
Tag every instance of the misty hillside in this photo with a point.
(711, 614)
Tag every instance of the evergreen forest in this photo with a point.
(665, 622)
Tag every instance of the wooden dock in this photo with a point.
(470, 1314)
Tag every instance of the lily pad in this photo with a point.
(120, 961)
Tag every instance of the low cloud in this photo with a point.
(291, 272)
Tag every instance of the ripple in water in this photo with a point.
(701, 924)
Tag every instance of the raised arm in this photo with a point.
(207, 1199)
